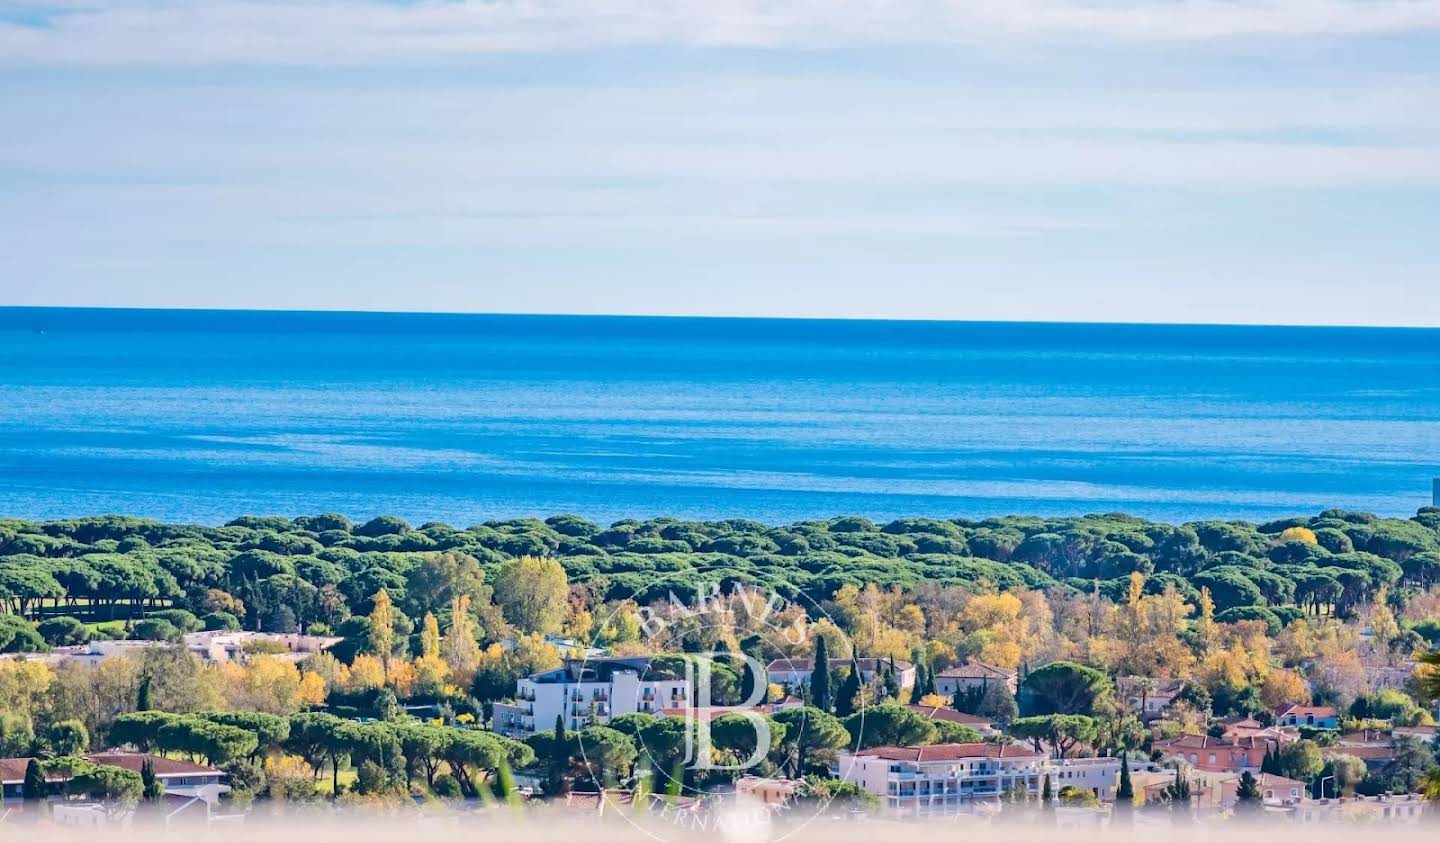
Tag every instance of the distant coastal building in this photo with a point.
(972, 675)
(212, 646)
(795, 673)
(583, 692)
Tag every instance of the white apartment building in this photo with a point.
(1100, 776)
(589, 691)
(944, 778)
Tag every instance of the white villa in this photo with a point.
(589, 691)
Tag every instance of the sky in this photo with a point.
(1236, 161)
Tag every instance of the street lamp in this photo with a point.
(1322, 784)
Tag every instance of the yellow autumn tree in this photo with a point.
(24, 685)
(313, 690)
(459, 649)
(994, 628)
(1283, 688)
(1298, 534)
(366, 672)
(263, 683)
(382, 629)
(430, 670)
(1205, 628)
(333, 672)
(429, 637)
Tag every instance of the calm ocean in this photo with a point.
(202, 416)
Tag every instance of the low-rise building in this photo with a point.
(943, 778)
(1223, 754)
(1148, 698)
(983, 725)
(1404, 808)
(796, 673)
(216, 646)
(583, 692)
(1314, 716)
(776, 793)
(180, 778)
(974, 674)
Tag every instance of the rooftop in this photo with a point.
(947, 752)
(940, 712)
(976, 670)
(12, 770)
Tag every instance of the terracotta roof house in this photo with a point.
(950, 715)
(1422, 732)
(973, 674)
(181, 778)
(1220, 754)
(1317, 716)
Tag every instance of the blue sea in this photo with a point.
(200, 416)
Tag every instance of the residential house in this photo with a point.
(1220, 788)
(1099, 776)
(974, 674)
(1251, 728)
(983, 725)
(775, 793)
(1424, 733)
(1222, 754)
(1380, 676)
(1402, 808)
(1279, 790)
(942, 779)
(180, 778)
(213, 646)
(1314, 716)
(796, 673)
(589, 691)
(1147, 697)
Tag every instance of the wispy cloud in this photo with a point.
(302, 32)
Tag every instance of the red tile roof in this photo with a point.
(1305, 710)
(948, 752)
(940, 712)
(12, 770)
(976, 670)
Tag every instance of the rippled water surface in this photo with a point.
(200, 416)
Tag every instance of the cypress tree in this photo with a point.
(34, 787)
(1125, 793)
(152, 790)
(1047, 795)
(142, 696)
(1248, 801)
(918, 689)
(559, 757)
(892, 682)
(820, 677)
(849, 691)
(747, 676)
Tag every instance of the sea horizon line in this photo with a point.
(682, 317)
